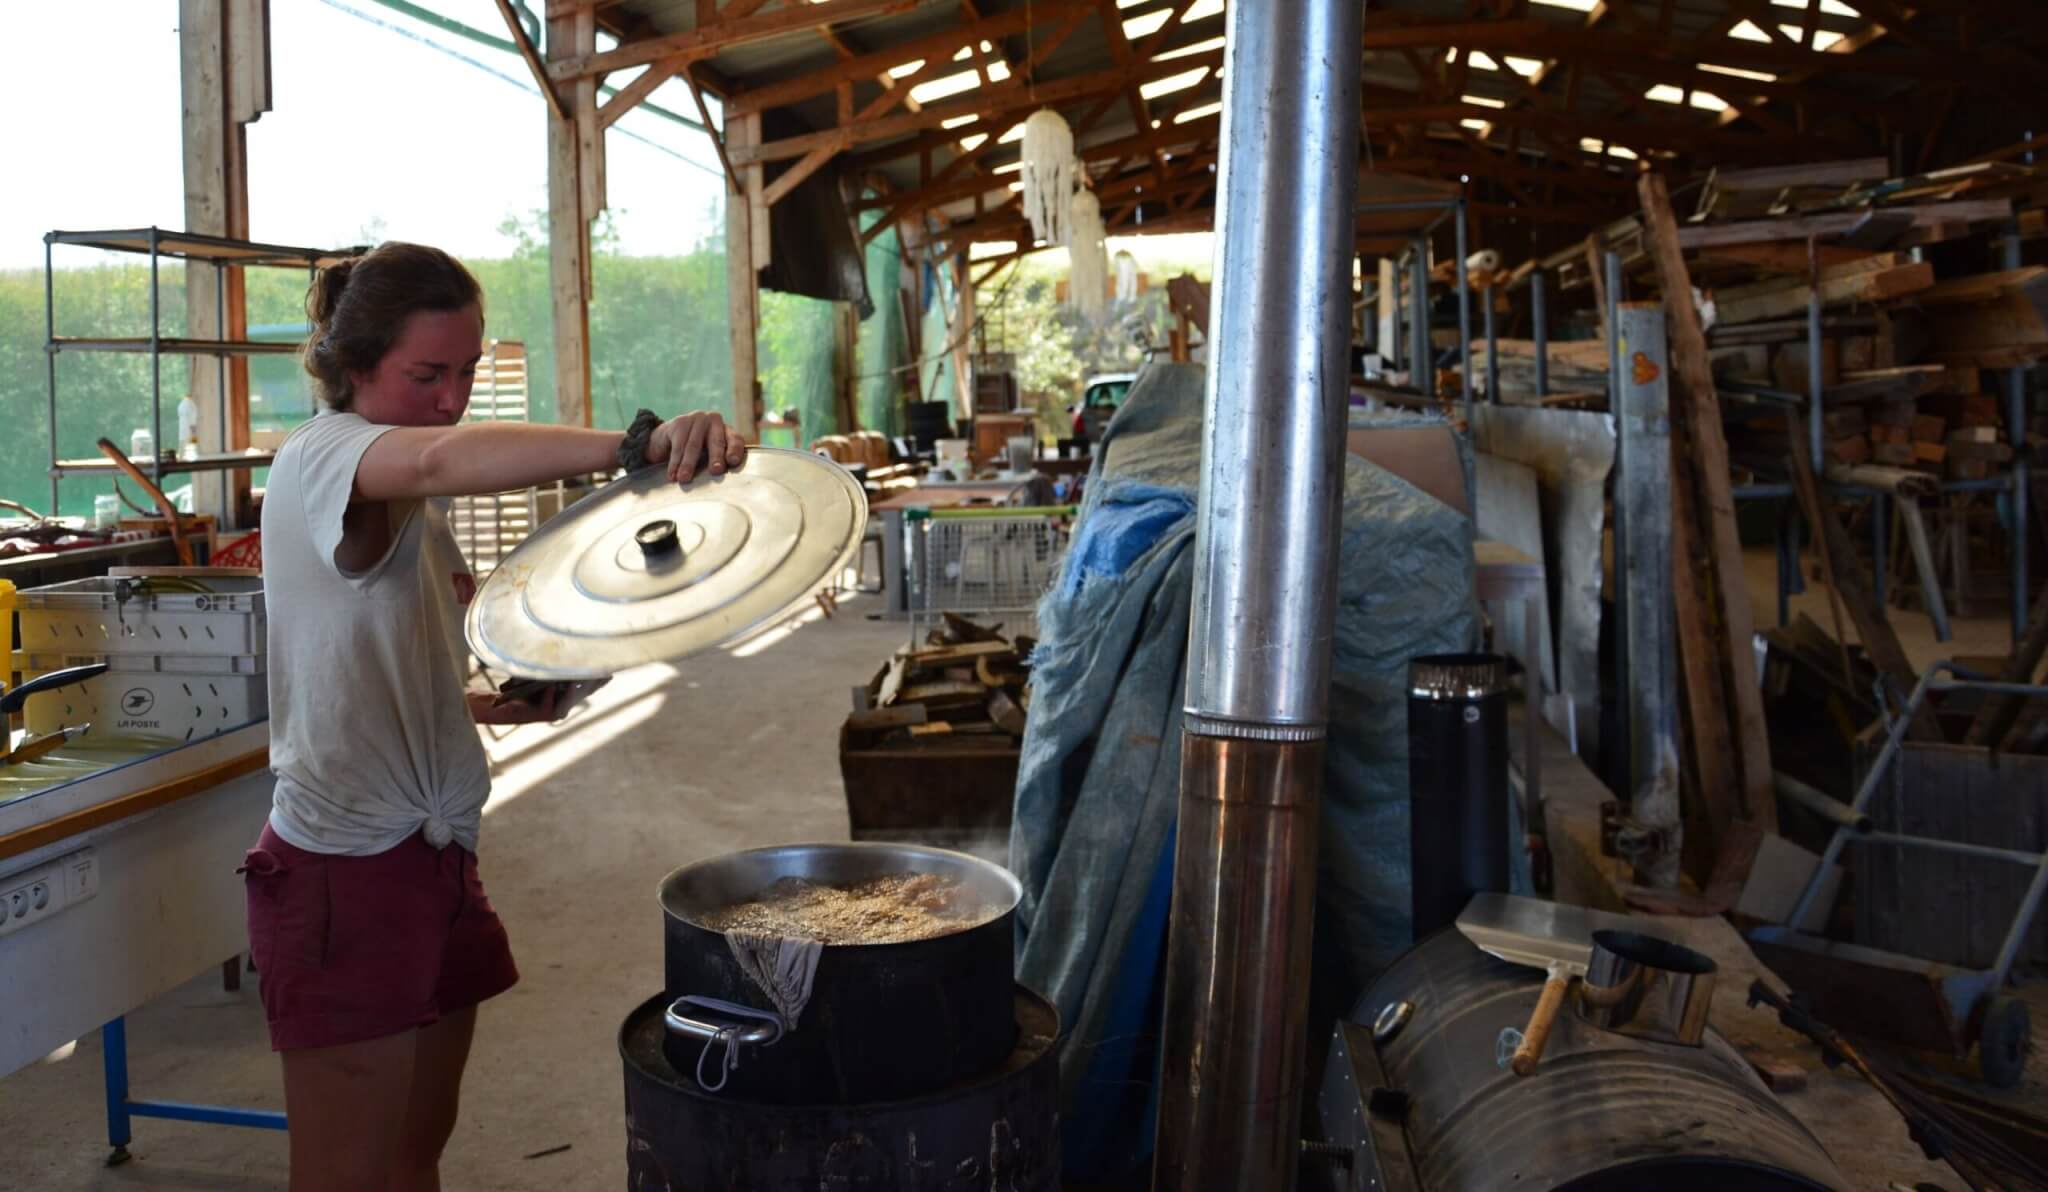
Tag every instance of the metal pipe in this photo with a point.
(1877, 553)
(1813, 378)
(1464, 315)
(1822, 804)
(1541, 331)
(1619, 775)
(1492, 349)
(1234, 1040)
(50, 352)
(1425, 355)
(2016, 417)
(1933, 844)
(156, 365)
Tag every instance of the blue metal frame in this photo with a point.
(122, 1108)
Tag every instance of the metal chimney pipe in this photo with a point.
(1264, 600)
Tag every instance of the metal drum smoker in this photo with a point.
(1634, 1089)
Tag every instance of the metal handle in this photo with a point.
(768, 1029)
(759, 1035)
(13, 700)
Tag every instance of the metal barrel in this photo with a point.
(1607, 1112)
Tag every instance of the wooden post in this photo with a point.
(570, 197)
(743, 280)
(963, 335)
(1643, 420)
(1696, 405)
(224, 68)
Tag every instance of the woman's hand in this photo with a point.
(487, 707)
(688, 441)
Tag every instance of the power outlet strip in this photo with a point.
(33, 895)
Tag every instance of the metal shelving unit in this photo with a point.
(158, 244)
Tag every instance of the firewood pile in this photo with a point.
(967, 680)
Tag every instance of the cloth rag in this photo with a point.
(780, 967)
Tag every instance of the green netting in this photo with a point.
(881, 352)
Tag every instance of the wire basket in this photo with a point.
(991, 565)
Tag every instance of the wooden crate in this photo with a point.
(1943, 906)
(943, 789)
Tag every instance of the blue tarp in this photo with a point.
(1098, 783)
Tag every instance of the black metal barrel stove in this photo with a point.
(918, 1065)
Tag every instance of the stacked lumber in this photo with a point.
(968, 680)
(1576, 366)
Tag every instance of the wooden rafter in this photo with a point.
(726, 33)
(533, 62)
(1003, 101)
(938, 47)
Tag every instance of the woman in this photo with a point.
(367, 921)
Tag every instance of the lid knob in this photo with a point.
(657, 539)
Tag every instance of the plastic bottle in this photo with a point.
(188, 428)
(141, 445)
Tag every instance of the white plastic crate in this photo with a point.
(111, 617)
(159, 703)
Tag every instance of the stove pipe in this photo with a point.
(1264, 599)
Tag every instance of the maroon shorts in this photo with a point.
(349, 949)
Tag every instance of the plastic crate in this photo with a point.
(176, 664)
(186, 706)
(110, 617)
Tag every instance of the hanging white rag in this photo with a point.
(780, 967)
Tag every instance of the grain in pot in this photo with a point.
(885, 910)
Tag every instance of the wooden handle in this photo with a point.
(1540, 1022)
(164, 504)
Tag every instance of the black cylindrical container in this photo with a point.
(1457, 783)
(998, 1130)
(884, 1021)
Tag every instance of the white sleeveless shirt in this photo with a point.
(371, 737)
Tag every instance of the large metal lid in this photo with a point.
(647, 570)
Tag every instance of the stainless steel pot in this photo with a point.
(884, 1021)
(1647, 987)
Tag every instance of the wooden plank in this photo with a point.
(149, 799)
(1698, 404)
(532, 57)
(1836, 224)
(803, 168)
(1788, 259)
(1872, 626)
(1857, 283)
(642, 86)
(1820, 173)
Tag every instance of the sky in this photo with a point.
(374, 133)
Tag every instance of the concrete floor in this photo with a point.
(667, 765)
(728, 750)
